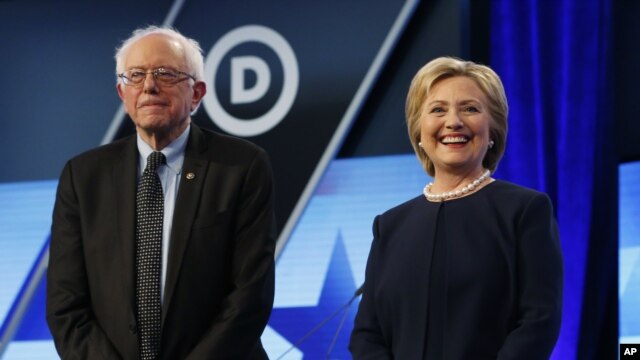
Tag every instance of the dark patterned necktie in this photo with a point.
(149, 214)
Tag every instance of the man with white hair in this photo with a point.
(162, 243)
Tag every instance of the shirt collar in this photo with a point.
(174, 152)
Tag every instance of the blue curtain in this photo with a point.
(553, 57)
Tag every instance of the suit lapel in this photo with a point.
(124, 180)
(191, 180)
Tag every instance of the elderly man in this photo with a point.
(162, 243)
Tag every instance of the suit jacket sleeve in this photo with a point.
(75, 332)
(245, 311)
(540, 282)
(367, 340)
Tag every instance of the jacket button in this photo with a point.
(132, 328)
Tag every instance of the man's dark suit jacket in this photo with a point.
(504, 278)
(220, 274)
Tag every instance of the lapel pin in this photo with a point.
(191, 176)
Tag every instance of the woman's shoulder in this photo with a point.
(410, 211)
(407, 206)
(403, 218)
(509, 198)
(506, 189)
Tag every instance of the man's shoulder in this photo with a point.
(226, 146)
(107, 152)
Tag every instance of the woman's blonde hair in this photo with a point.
(489, 82)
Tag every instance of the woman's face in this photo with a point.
(454, 126)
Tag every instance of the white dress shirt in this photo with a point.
(170, 178)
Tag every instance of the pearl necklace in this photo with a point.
(455, 194)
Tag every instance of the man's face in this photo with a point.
(159, 109)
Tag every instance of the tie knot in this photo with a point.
(154, 160)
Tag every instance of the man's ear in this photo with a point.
(120, 91)
(199, 90)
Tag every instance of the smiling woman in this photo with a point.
(454, 129)
(450, 94)
(485, 252)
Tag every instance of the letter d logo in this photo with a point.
(241, 95)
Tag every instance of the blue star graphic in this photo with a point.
(294, 323)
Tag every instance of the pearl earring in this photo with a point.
(491, 143)
(420, 145)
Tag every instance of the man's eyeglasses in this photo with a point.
(165, 76)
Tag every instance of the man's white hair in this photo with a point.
(192, 50)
